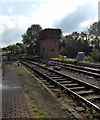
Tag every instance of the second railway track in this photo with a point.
(87, 93)
(80, 69)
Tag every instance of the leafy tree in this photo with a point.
(4, 49)
(73, 43)
(15, 50)
(94, 33)
(31, 36)
(23, 47)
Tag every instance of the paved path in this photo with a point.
(14, 104)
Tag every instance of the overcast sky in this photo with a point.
(68, 15)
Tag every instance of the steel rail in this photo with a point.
(81, 64)
(62, 86)
(86, 71)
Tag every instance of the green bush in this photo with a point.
(88, 59)
(95, 55)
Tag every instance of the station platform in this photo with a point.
(14, 103)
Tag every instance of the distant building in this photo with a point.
(49, 43)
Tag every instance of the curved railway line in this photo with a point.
(82, 91)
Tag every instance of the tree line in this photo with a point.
(87, 42)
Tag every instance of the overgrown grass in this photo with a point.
(65, 59)
(38, 113)
(24, 76)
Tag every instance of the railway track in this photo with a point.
(90, 65)
(80, 69)
(83, 91)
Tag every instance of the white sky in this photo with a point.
(68, 15)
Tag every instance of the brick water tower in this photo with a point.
(49, 43)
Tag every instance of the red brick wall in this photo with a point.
(49, 48)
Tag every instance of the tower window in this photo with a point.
(52, 50)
